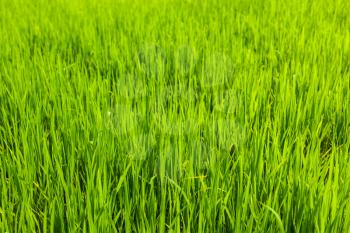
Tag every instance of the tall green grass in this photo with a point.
(174, 116)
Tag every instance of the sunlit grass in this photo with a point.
(174, 116)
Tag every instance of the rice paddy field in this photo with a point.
(175, 116)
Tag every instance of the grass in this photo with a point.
(174, 116)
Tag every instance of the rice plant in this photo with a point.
(174, 116)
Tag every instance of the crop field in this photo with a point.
(175, 116)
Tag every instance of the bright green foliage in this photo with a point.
(175, 116)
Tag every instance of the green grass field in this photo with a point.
(175, 116)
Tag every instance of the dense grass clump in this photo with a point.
(174, 116)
